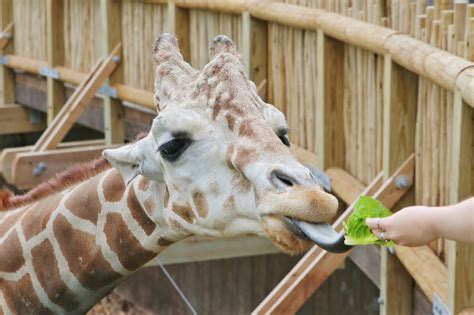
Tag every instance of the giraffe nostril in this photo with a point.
(281, 179)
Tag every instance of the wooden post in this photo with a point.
(7, 88)
(254, 49)
(399, 119)
(331, 65)
(461, 255)
(178, 24)
(113, 110)
(56, 93)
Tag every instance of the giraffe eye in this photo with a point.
(285, 140)
(172, 149)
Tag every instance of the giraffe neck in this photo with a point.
(67, 251)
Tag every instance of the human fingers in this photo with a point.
(376, 223)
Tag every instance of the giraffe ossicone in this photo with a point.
(215, 163)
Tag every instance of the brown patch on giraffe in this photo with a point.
(246, 129)
(144, 183)
(138, 213)
(166, 197)
(84, 201)
(46, 268)
(164, 241)
(11, 259)
(176, 225)
(121, 240)
(244, 157)
(21, 298)
(219, 225)
(8, 222)
(229, 204)
(74, 175)
(149, 205)
(230, 121)
(215, 112)
(113, 186)
(214, 188)
(184, 211)
(84, 256)
(228, 156)
(240, 182)
(200, 202)
(35, 221)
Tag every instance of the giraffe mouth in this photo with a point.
(322, 234)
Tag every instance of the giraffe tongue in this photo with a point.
(323, 235)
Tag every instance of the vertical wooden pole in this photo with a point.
(55, 48)
(178, 24)
(461, 255)
(7, 87)
(113, 109)
(255, 48)
(399, 119)
(320, 101)
(332, 97)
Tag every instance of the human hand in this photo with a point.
(411, 226)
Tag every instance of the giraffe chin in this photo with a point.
(290, 241)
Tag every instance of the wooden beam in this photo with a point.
(333, 99)
(7, 88)
(8, 155)
(17, 119)
(317, 265)
(255, 50)
(55, 48)
(77, 102)
(178, 24)
(28, 172)
(113, 111)
(461, 255)
(399, 117)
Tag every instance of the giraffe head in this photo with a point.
(222, 153)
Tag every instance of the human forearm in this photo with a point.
(455, 222)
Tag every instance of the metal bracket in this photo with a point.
(35, 117)
(49, 72)
(39, 169)
(439, 308)
(3, 60)
(108, 91)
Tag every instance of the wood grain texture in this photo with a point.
(7, 89)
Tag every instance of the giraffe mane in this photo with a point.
(75, 174)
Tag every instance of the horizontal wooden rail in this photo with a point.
(74, 77)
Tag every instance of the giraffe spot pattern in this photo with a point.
(184, 211)
(144, 183)
(113, 186)
(11, 254)
(9, 221)
(21, 298)
(164, 242)
(38, 216)
(200, 203)
(244, 157)
(138, 213)
(229, 204)
(128, 249)
(84, 201)
(46, 269)
(83, 255)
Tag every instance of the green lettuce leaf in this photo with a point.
(356, 231)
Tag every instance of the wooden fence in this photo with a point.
(364, 84)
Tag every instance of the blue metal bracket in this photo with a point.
(49, 72)
(439, 308)
(108, 91)
(3, 60)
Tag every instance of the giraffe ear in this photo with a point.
(135, 159)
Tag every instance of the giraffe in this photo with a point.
(216, 162)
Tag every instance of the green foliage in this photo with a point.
(357, 232)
